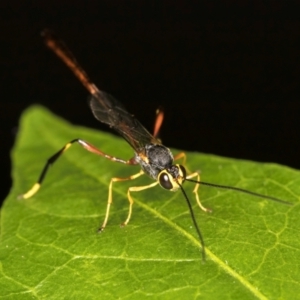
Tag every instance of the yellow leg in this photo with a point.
(31, 192)
(182, 156)
(51, 160)
(37, 185)
(109, 201)
(136, 189)
(196, 174)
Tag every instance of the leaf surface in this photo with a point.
(50, 248)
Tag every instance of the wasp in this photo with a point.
(155, 160)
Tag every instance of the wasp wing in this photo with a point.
(104, 107)
(110, 111)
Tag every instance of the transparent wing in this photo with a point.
(104, 107)
(110, 111)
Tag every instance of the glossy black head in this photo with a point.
(170, 178)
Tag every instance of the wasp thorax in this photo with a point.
(159, 155)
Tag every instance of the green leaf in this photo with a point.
(50, 248)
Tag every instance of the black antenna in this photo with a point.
(194, 221)
(240, 190)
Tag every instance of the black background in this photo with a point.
(226, 73)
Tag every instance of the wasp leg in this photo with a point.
(182, 156)
(136, 189)
(158, 122)
(109, 201)
(89, 147)
(195, 191)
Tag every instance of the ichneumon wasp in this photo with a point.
(155, 159)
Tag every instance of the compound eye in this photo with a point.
(164, 180)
